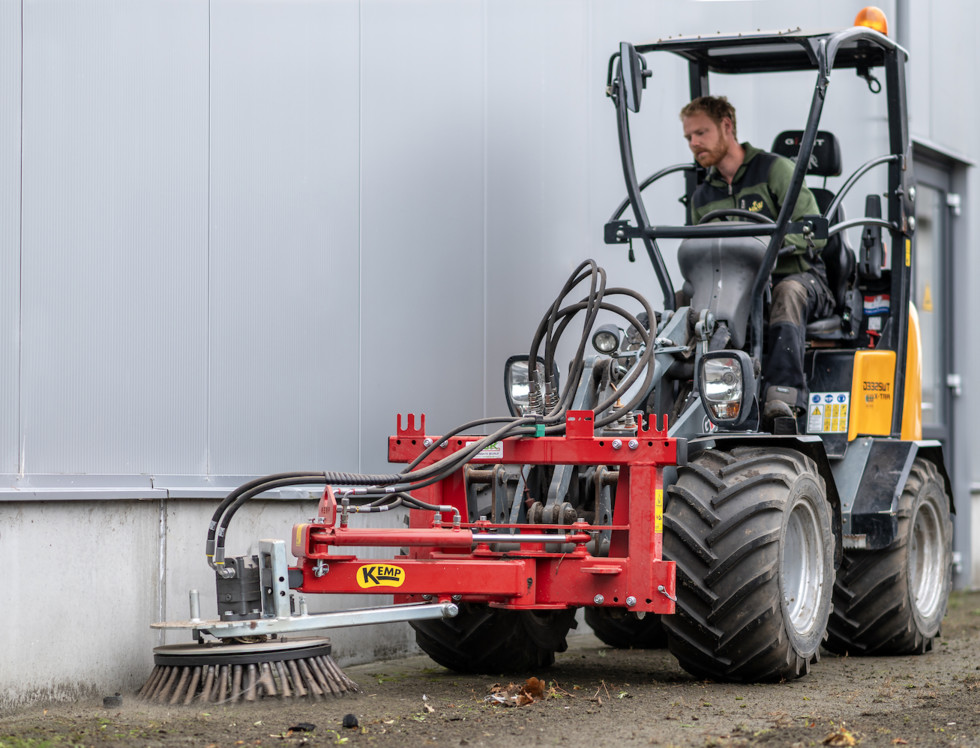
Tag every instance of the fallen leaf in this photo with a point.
(841, 737)
(534, 688)
(899, 741)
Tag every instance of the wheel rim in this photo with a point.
(925, 560)
(802, 569)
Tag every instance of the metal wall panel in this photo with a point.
(952, 56)
(422, 231)
(284, 376)
(10, 119)
(539, 96)
(114, 237)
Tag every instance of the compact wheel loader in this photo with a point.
(643, 487)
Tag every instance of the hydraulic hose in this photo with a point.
(568, 312)
(598, 282)
(382, 492)
(596, 295)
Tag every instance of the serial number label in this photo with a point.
(493, 452)
(875, 391)
(380, 575)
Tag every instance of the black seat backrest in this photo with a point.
(825, 161)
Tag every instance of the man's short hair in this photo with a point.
(716, 107)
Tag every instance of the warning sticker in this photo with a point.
(827, 412)
(659, 507)
(494, 451)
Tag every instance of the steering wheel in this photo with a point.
(723, 212)
(757, 217)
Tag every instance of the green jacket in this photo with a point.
(760, 184)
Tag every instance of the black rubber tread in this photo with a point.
(724, 526)
(621, 629)
(873, 609)
(486, 640)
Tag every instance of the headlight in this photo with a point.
(727, 386)
(721, 386)
(607, 338)
(517, 387)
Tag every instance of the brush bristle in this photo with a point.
(188, 674)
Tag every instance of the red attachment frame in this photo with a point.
(445, 560)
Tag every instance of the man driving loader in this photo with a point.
(747, 178)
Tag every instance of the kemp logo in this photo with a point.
(380, 575)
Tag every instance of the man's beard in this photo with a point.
(713, 156)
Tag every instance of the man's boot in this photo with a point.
(779, 414)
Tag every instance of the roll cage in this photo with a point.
(859, 48)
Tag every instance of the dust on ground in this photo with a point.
(594, 696)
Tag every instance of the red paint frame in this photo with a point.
(442, 561)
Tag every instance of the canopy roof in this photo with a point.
(777, 51)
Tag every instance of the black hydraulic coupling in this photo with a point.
(240, 597)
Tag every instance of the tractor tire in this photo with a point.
(892, 601)
(751, 533)
(621, 629)
(486, 640)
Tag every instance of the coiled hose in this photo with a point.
(381, 492)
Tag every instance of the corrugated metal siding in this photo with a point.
(115, 236)
(254, 232)
(10, 117)
(422, 232)
(284, 236)
(538, 165)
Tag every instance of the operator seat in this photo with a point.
(838, 256)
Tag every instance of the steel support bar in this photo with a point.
(312, 537)
(292, 624)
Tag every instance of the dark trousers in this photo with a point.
(796, 300)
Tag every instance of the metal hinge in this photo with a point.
(955, 384)
(954, 202)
